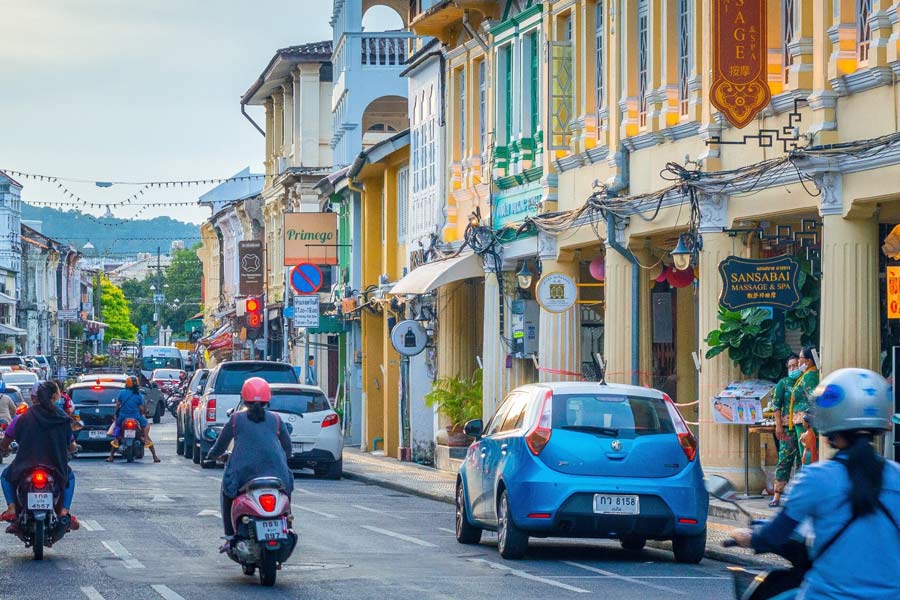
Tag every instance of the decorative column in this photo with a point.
(270, 141)
(493, 358)
(278, 128)
(288, 133)
(558, 333)
(617, 340)
(307, 131)
(721, 446)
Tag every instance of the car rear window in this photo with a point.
(231, 379)
(16, 396)
(167, 373)
(10, 361)
(609, 414)
(90, 395)
(298, 403)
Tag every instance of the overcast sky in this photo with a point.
(141, 89)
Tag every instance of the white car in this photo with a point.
(315, 428)
(24, 380)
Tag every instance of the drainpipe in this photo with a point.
(618, 185)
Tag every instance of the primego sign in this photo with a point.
(310, 237)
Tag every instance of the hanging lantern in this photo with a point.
(680, 279)
(598, 268)
(662, 275)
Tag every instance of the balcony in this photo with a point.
(433, 17)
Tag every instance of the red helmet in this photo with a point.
(256, 389)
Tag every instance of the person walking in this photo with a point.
(788, 449)
(801, 393)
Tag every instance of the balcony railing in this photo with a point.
(383, 50)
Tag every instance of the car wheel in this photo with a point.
(188, 444)
(512, 542)
(333, 471)
(466, 533)
(196, 454)
(689, 548)
(633, 543)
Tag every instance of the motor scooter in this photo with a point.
(39, 498)
(131, 440)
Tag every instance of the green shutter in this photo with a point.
(507, 53)
(535, 82)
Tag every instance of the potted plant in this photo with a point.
(458, 399)
(752, 340)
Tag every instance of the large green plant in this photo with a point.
(805, 316)
(751, 338)
(458, 398)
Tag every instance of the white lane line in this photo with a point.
(314, 511)
(166, 592)
(453, 531)
(302, 491)
(161, 498)
(622, 577)
(124, 555)
(91, 593)
(91, 525)
(530, 577)
(400, 536)
(214, 478)
(378, 512)
(209, 513)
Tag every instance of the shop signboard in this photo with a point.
(409, 338)
(750, 282)
(740, 403)
(251, 271)
(306, 311)
(893, 292)
(556, 292)
(739, 89)
(512, 206)
(310, 237)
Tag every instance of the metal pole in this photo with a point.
(747, 461)
(404, 452)
(285, 327)
(265, 336)
(305, 361)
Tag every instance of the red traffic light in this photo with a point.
(252, 305)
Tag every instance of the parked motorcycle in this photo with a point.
(760, 584)
(39, 497)
(173, 398)
(264, 540)
(131, 440)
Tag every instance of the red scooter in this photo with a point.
(261, 516)
(38, 496)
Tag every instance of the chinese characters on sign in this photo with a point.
(759, 282)
(893, 292)
(306, 311)
(739, 87)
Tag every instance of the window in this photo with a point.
(402, 203)
(506, 107)
(482, 105)
(499, 417)
(684, 54)
(643, 59)
(624, 417)
(863, 29)
(461, 89)
(516, 414)
(534, 76)
(599, 61)
(788, 23)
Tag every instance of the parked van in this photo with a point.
(160, 357)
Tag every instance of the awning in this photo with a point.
(95, 326)
(220, 338)
(4, 299)
(433, 275)
(10, 330)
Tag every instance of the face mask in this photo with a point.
(794, 373)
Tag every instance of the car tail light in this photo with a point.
(39, 479)
(685, 438)
(21, 409)
(688, 521)
(330, 420)
(130, 424)
(539, 435)
(195, 400)
(267, 501)
(211, 409)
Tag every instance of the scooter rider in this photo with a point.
(852, 500)
(261, 445)
(130, 405)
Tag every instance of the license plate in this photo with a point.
(40, 501)
(271, 530)
(130, 434)
(94, 434)
(616, 504)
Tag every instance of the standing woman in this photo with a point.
(788, 452)
(801, 395)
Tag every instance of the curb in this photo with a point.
(399, 487)
(720, 554)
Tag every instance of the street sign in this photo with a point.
(893, 292)
(409, 338)
(306, 311)
(250, 271)
(67, 314)
(556, 292)
(306, 279)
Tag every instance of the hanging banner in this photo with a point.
(759, 282)
(251, 268)
(893, 293)
(739, 87)
(310, 238)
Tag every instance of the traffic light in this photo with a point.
(254, 317)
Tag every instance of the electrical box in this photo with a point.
(524, 326)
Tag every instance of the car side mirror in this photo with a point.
(474, 428)
(229, 412)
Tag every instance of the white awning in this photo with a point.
(433, 275)
(10, 330)
(4, 299)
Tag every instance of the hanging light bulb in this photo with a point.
(524, 276)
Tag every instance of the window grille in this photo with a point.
(684, 54)
(863, 28)
(643, 59)
(599, 61)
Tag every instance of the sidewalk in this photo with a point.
(440, 486)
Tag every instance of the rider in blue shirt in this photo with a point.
(130, 405)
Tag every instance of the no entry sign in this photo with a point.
(306, 279)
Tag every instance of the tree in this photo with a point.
(182, 295)
(115, 312)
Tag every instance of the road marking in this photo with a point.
(529, 576)
(622, 577)
(166, 592)
(214, 478)
(307, 492)
(315, 512)
(161, 498)
(209, 513)
(379, 512)
(448, 530)
(91, 593)
(124, 555)
(91, 525)
(400, 536)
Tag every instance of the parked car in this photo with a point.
(12, 360)
(586, 460)
(24, 380)
(184, 443)
(95, 406)
(89, 377)
(223, 392)
(16, 394)
(45, 366)
(315, 428)
(166, 379)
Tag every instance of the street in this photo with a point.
(152, 531)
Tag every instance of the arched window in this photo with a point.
(599, 61)
(685, 37)
(643, 25)
(863, 29)
(788, 29)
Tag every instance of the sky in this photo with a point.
(141, 90)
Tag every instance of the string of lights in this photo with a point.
(163, 183)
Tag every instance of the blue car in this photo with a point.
(584, 460)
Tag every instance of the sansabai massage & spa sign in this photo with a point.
(750, 282)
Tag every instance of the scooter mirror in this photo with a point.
(896, 419)
(718, 487)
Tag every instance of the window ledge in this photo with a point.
(862, 80)
(681, 131)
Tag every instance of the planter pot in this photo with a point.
(453, 437)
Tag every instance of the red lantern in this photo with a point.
(598, 268)
(680, 279)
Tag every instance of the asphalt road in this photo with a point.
(152, 531)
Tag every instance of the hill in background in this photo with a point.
(111, 236)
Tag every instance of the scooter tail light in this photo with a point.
(39, 479)
(211, 410)
(539, 435)
(130, 424)
(22, 409)
(268, 502)
(330, 420)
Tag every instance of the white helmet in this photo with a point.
(852, 400)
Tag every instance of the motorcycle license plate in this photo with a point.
(95, 434)
(130, 434)
(614, 504)
(40, 501)
(271, 530)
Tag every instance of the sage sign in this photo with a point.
(759, 282)
(310, 238)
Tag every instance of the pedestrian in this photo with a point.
(801, 393)
(788, 450)
(311, 377)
